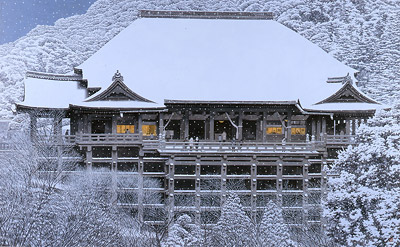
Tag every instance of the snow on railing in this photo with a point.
(235, 147)
(340, 139)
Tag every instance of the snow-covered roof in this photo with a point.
(202, 60)
(217, 59)
(336, 107)
(56, 94)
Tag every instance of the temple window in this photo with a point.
(153, 167)
(125, 129)
(149, 130)
(185, 169)
(315, 168)
(210, 170)
(210, 201)
(185, 200)
(266, 170)
(292, 170)
(238, 170)
(184, 184)
(292, 200)
(274, 130)
(266, 184)
(298, 131)
(292, 184)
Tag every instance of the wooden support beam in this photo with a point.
(211, 131)
(313, 128)
(289, 126)
(186, 125)
(161, 125)
(240, 126)
(264, 126)
(114, 124)
(347, 126)
(139, 125)
(324, 128)
(318, 135)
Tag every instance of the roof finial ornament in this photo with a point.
(348, 79)
(118, 75)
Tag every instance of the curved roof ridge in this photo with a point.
(54, 76)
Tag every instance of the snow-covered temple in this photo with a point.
(205, 103)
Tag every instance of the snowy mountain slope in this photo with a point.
(362, 34)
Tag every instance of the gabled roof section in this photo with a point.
(215, 59)
(117, 91)
(347, 94)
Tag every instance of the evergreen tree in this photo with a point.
(273, 230)
(183, 234)
(234, 226)
(362, 206)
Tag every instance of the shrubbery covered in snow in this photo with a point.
(363, 205)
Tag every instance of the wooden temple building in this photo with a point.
(205, 103)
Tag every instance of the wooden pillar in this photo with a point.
(264, 127)
(89, 156)
(87, 124)
(197, 200)
(347, 126)
(240, 126)
(353, 126)
(114, 158)
(254, 189)
(324, 128)
(289, 126)
(161, 126)
(186, 125)
(212, 134)
(114, 124)
(171, 178)
(318, 135)
(223, 181)
(79, 125)
(279, 184)
(258, 129)
(140, 189)
(140, 124)
(334, 127)
(305, 188)
(313, 128)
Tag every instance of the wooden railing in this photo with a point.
(215, 146)
(340, 139)
(235, 147)
(107, 138)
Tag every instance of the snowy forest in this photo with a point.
(55, 209)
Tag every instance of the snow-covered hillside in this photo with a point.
(362, 34)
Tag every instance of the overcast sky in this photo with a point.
(18, 17)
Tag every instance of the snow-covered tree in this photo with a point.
(183, 233)
(273, 231)
(234, 226)
(362, 206)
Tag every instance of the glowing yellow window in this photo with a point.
(149, 130)
(298, 131)
(125, 129)
(274, 130)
